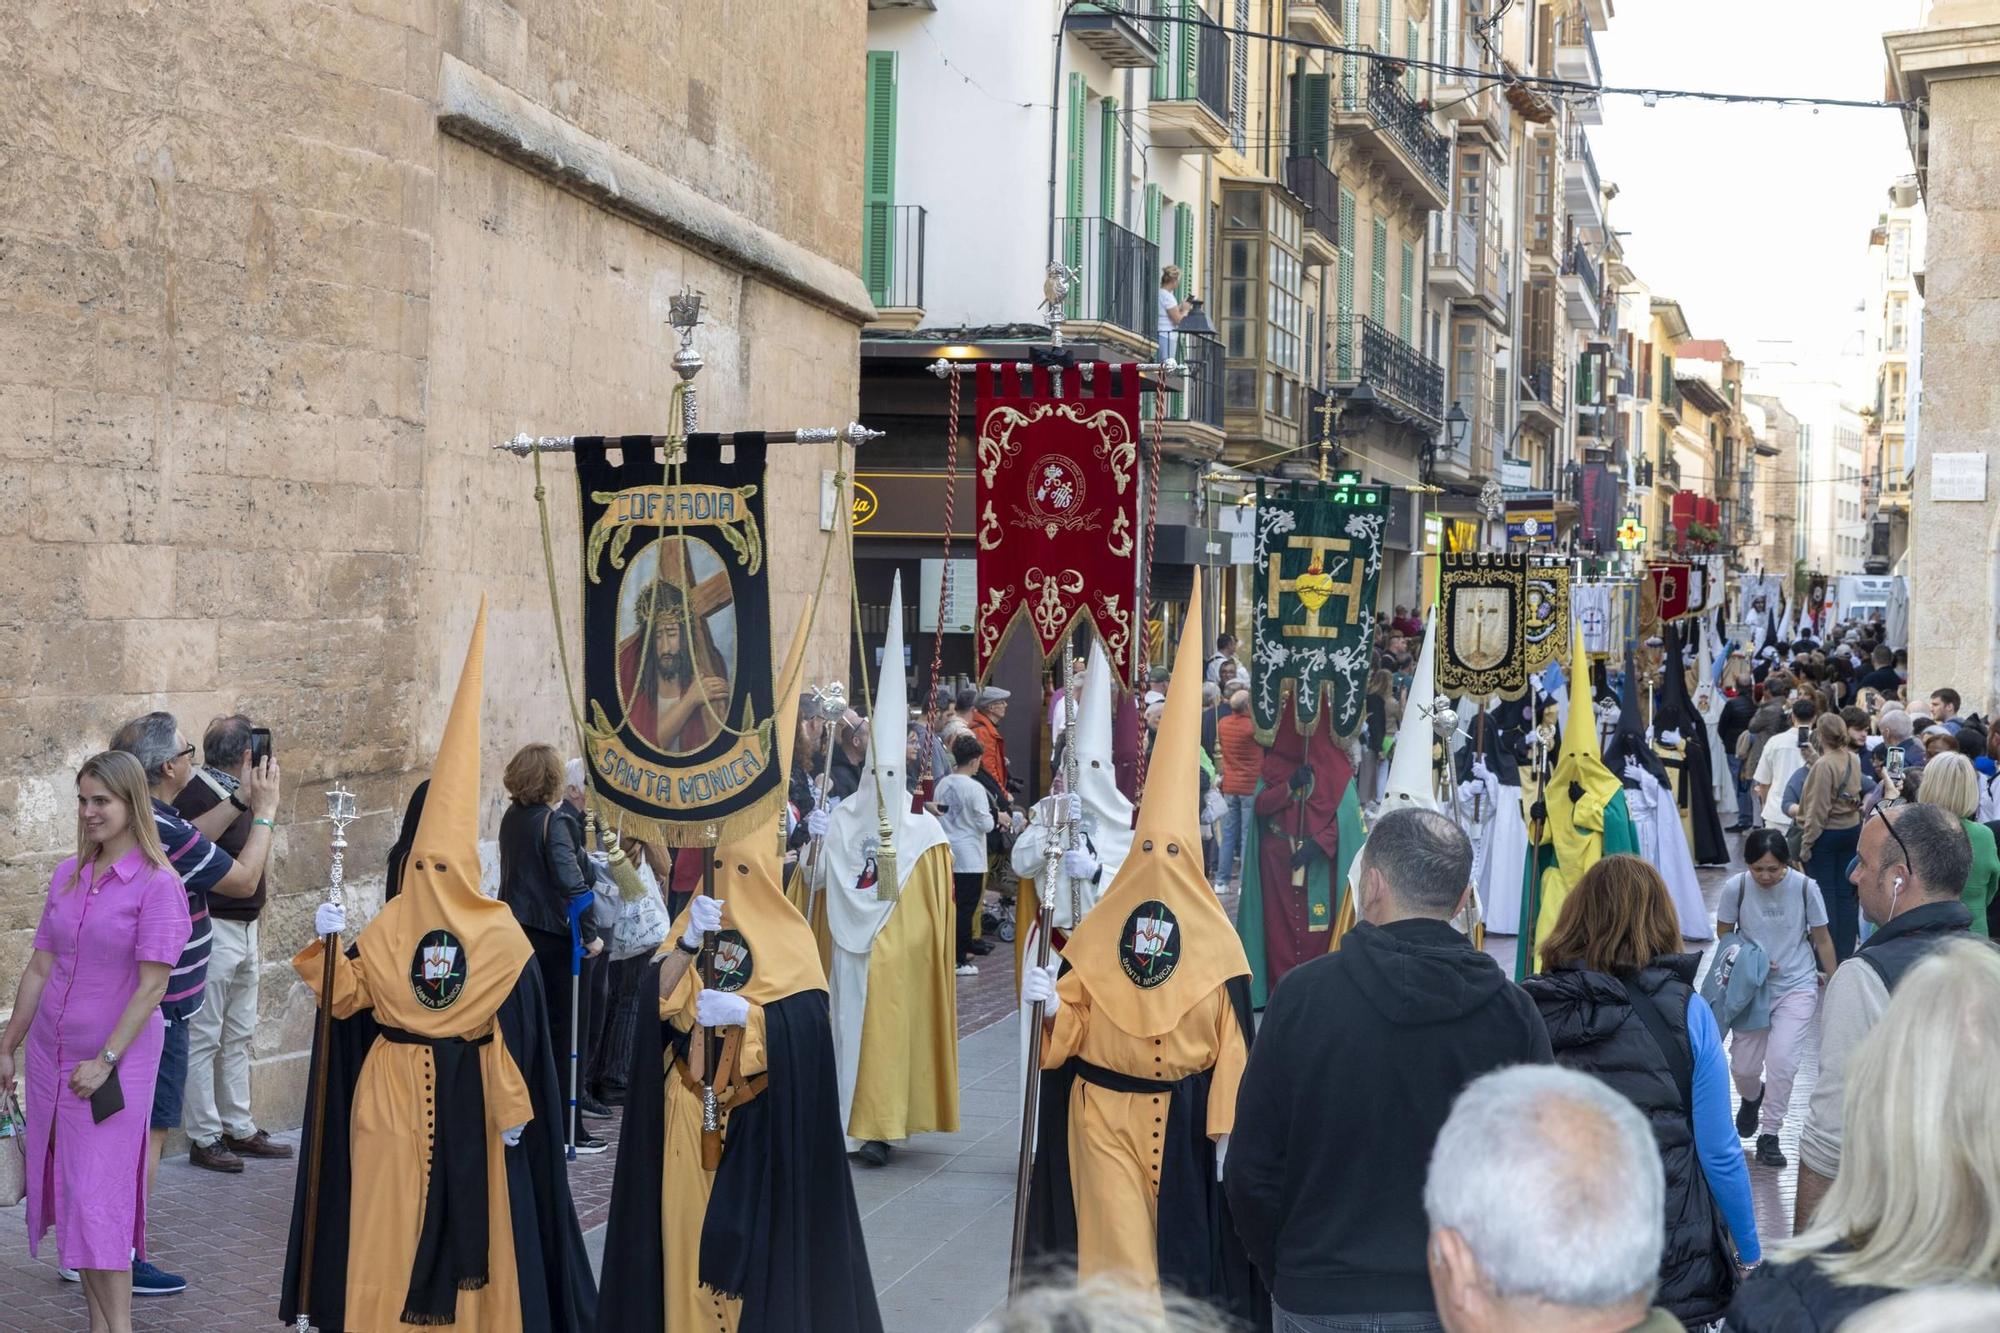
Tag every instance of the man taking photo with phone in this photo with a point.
(216, 1109)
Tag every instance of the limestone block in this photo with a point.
(124, 582)
(169, 655)
(27, 421)
(84, 503)
(106, 429)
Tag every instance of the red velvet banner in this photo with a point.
(1671, 585)
(1057, 506)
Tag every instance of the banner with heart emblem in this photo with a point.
(1057, 505)
(1483, 626)
(1547, 631)
(1318, 559)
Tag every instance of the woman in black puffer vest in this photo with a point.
(1618, 998)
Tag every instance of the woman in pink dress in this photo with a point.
(88, 1004)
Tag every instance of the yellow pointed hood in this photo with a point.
(1158, 942)
(773, 954)
(449, 954)
(1582, 758)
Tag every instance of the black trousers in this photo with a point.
(611, 1042)
(966, 888)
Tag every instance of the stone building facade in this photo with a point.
(277, 276)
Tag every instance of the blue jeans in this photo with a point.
(1418, 1322)
(1828, 864)
(1236, 817)
(1746, 800)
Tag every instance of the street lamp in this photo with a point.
(1456, 424)
(1196, 320)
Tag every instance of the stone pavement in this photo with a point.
(937, 1218)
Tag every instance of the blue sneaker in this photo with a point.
(150, 1281)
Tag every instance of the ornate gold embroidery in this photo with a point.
(996, 436)
(1048, 612)
(989, 528)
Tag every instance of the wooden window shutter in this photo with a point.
(1190, 37)
(1413, 47)
(1406, 317)
(1350, 66)
(1378, 286)
(1163, 58)
(1184, 245)
(1311, 132)
(1343, 334)
(1152, 223)
(1107, 160)
(879, 176)
(1073, 198)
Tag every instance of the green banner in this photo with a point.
(1319, 556)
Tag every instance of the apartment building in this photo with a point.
(1893, 311)
(1781, 545)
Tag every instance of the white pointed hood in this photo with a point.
(853, 913)
(1411, 784)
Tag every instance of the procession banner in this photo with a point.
(1318, 558)
(677, 653)
(1594, 616)
(1057, 501)
(1816, 605)
(1482, 623)
(1547, 631)
(1670, 583)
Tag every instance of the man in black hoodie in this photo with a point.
(1352, 1076)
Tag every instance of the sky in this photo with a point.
(1755, 218)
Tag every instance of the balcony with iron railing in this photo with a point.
(1542, 389)
(1201, 402)
(1313, 21)
(1318, 189)
(1190, 105)
(1582, 288)
(1119, 272)
(1114, 32)
(1402, 377)
(1669, 399)
(1576, 50)
(892, 263)
(1392, 129)
(1583, 190)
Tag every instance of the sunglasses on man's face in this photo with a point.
(185, 753)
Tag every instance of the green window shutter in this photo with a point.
(1406, 314)
(1184, 245)
(1350, 66)
(1190, 47)
(1378, 286)
(1343, 333)
(1152, 223)
(1311, 132)
(878, 173)
(1163, 58)
(1073, 198)
(1108, 192)
(1384, 29)
(1413, 47)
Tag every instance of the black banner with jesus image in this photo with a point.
(677, 660)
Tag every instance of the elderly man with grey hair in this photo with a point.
(1325, 1184)
(1559, 1232)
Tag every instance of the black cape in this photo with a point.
(1696, 785)
(558, 1294)
(782, 1230)
(1200, 1254)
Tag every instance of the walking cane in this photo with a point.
(577, 907)
(1031, 1099)
(340, 813)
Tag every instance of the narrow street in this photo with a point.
(937, 1217)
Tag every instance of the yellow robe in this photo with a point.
(685, 1186)
(907, 1077)
(1115, 1137)
(392, 1158)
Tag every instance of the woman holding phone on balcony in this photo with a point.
(1172, 310)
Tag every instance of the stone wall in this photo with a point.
(266, 303)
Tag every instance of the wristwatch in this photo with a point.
(109, 1056)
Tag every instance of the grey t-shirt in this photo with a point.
(1777, 919)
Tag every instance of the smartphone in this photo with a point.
(1892, 764)
(260, 745)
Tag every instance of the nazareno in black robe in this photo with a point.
(1200, 1254)
(1697, 784)
(558, 1294)
(782, 1230)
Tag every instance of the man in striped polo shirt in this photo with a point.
(157, 742)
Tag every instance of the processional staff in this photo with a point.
(340, 812)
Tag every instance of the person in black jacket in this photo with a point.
(1916, 1204)
(1739, 709)
(1619, 1001)
(543, 870)
(1326, 1183)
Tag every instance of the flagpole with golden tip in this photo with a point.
(340, 813)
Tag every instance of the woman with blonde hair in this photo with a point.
(114, 924)
(1618, 997)
(1917, 1200)
(1951, 781)
(1830, 828)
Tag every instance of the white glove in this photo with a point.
(1221, 1151)
(1039, 984)
(1078, 863)
(1480, 770)
(329, 919)
(1075, 808)
(720, 1009)
(704, 916)
(1670, 737)
(1642, 775)
(816, 822)
(1020, 821)
(512, 1135)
